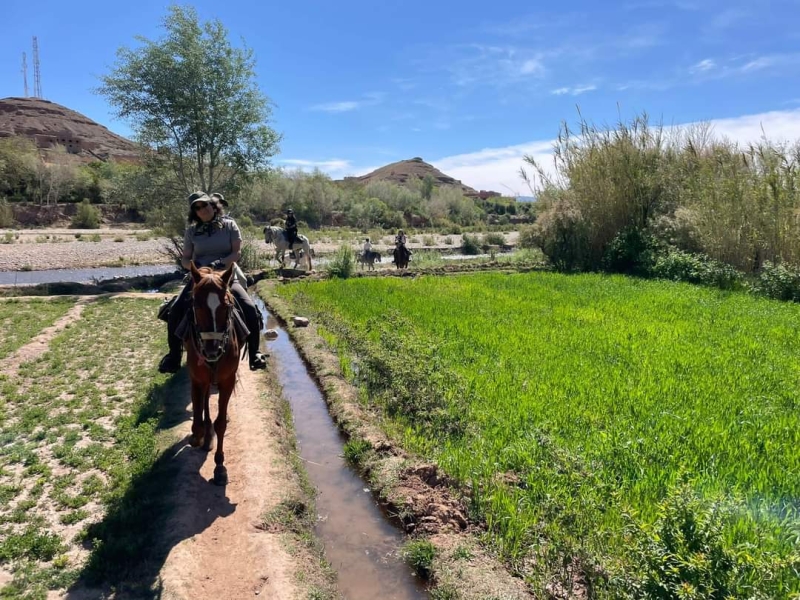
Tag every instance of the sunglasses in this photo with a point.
(199, 205)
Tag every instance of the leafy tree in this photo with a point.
(191, 97)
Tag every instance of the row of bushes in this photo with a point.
(640, 253)
(674, 203)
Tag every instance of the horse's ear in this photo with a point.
(196, 275)
(228, 275)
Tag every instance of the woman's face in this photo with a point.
(204, 211)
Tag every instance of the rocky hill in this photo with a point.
(402, 171)
(50, 125)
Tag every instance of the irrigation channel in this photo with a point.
(360, 542)
(80, 275)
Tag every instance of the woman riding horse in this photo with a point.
(211, 240)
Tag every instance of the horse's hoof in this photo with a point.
(220, 475)
(207, 446)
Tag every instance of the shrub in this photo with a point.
(428, 241)
(8, 238)
(494, 239)
(419, 554)
(696, 268)
(470, 244)
(355, 449)
(778, 281)
(684, 555)
(87, 216)
(6, 214)
(448, 240)
(527, 237)
(343, 263)
(252, 258)
(562, 235)
(633, 251)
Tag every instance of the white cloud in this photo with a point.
(531, 66)
(498, 168)
(574, 91)
(337, 107)
(331, 167)
(369, 99)
(703, 66)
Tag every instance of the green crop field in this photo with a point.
(641, 438)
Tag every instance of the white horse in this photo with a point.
(277, 236)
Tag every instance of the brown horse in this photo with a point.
(212, 358)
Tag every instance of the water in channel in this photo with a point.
(360, 542)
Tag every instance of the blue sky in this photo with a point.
(469, 86)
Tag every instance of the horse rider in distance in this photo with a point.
(400, 244)
(291, 228)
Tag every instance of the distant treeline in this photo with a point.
(151, 192)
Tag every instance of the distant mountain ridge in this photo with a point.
(403, 171)
(50, 125)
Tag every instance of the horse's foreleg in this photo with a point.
(220, 425)
(208, 426)
(199, 393)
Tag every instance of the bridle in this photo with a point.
(223, 336)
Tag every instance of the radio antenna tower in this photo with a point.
(37, 76)
(25, 72)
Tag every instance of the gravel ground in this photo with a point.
(37, 256)
(36, 250)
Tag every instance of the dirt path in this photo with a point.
(217, 549)
(38, 345)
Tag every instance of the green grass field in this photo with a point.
(646, 431)
(21, 321)
(77, 436)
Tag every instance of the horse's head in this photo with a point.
(268, 234)
(212, 306)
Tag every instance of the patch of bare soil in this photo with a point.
(38, 345)
(219, 548)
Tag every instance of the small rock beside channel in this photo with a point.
(300, 321)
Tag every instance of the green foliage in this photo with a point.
(252, 258)
(32, 543)
(684, 555)
(634, 387)
(6, 214)
(563, 235)
(355, 449)
(778, 281)
(527, 237)
(420, 554)
(696, 268)
(87, 216)
(192, 97)
(494, 239)
(736, 205)
(470, 244)
(343, 263)
(632, 251)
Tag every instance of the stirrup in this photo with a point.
(258, 362)
(169, 364)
